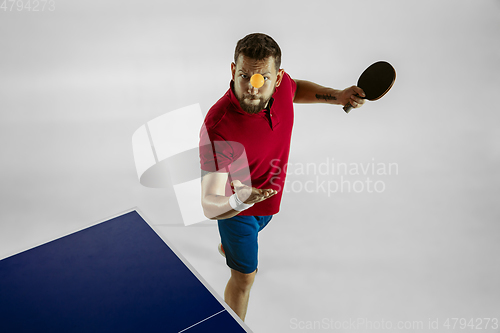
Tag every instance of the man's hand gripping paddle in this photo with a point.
(375, 81)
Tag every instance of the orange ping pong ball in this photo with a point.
(257, 80)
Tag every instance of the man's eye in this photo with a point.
(244, 76)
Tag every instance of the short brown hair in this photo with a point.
(258, 46)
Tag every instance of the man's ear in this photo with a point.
(279, 77)
(233, 70)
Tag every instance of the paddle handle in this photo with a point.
(347, 107)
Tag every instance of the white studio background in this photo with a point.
(76, 82)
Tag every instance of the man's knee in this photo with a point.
(242, 280)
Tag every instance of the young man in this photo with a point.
(245, 139)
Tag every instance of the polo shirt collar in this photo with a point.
(236, 103)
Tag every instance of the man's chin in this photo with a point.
(252, 109)
(252, 106)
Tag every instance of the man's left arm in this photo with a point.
(310, 92)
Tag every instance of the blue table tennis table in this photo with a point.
(115, 276)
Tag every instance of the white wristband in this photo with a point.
(237, 204)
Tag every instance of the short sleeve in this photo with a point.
(293, 84)
(216, 154)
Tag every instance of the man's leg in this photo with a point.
(239, 237)
(237, 292)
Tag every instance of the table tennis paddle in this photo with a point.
(375, 81)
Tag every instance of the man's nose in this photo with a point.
(252, 90)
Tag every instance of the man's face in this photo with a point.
(253, 100)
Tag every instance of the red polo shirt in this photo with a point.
(253, 148)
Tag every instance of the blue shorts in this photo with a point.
(239, 236)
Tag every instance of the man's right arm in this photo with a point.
(213, 195)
